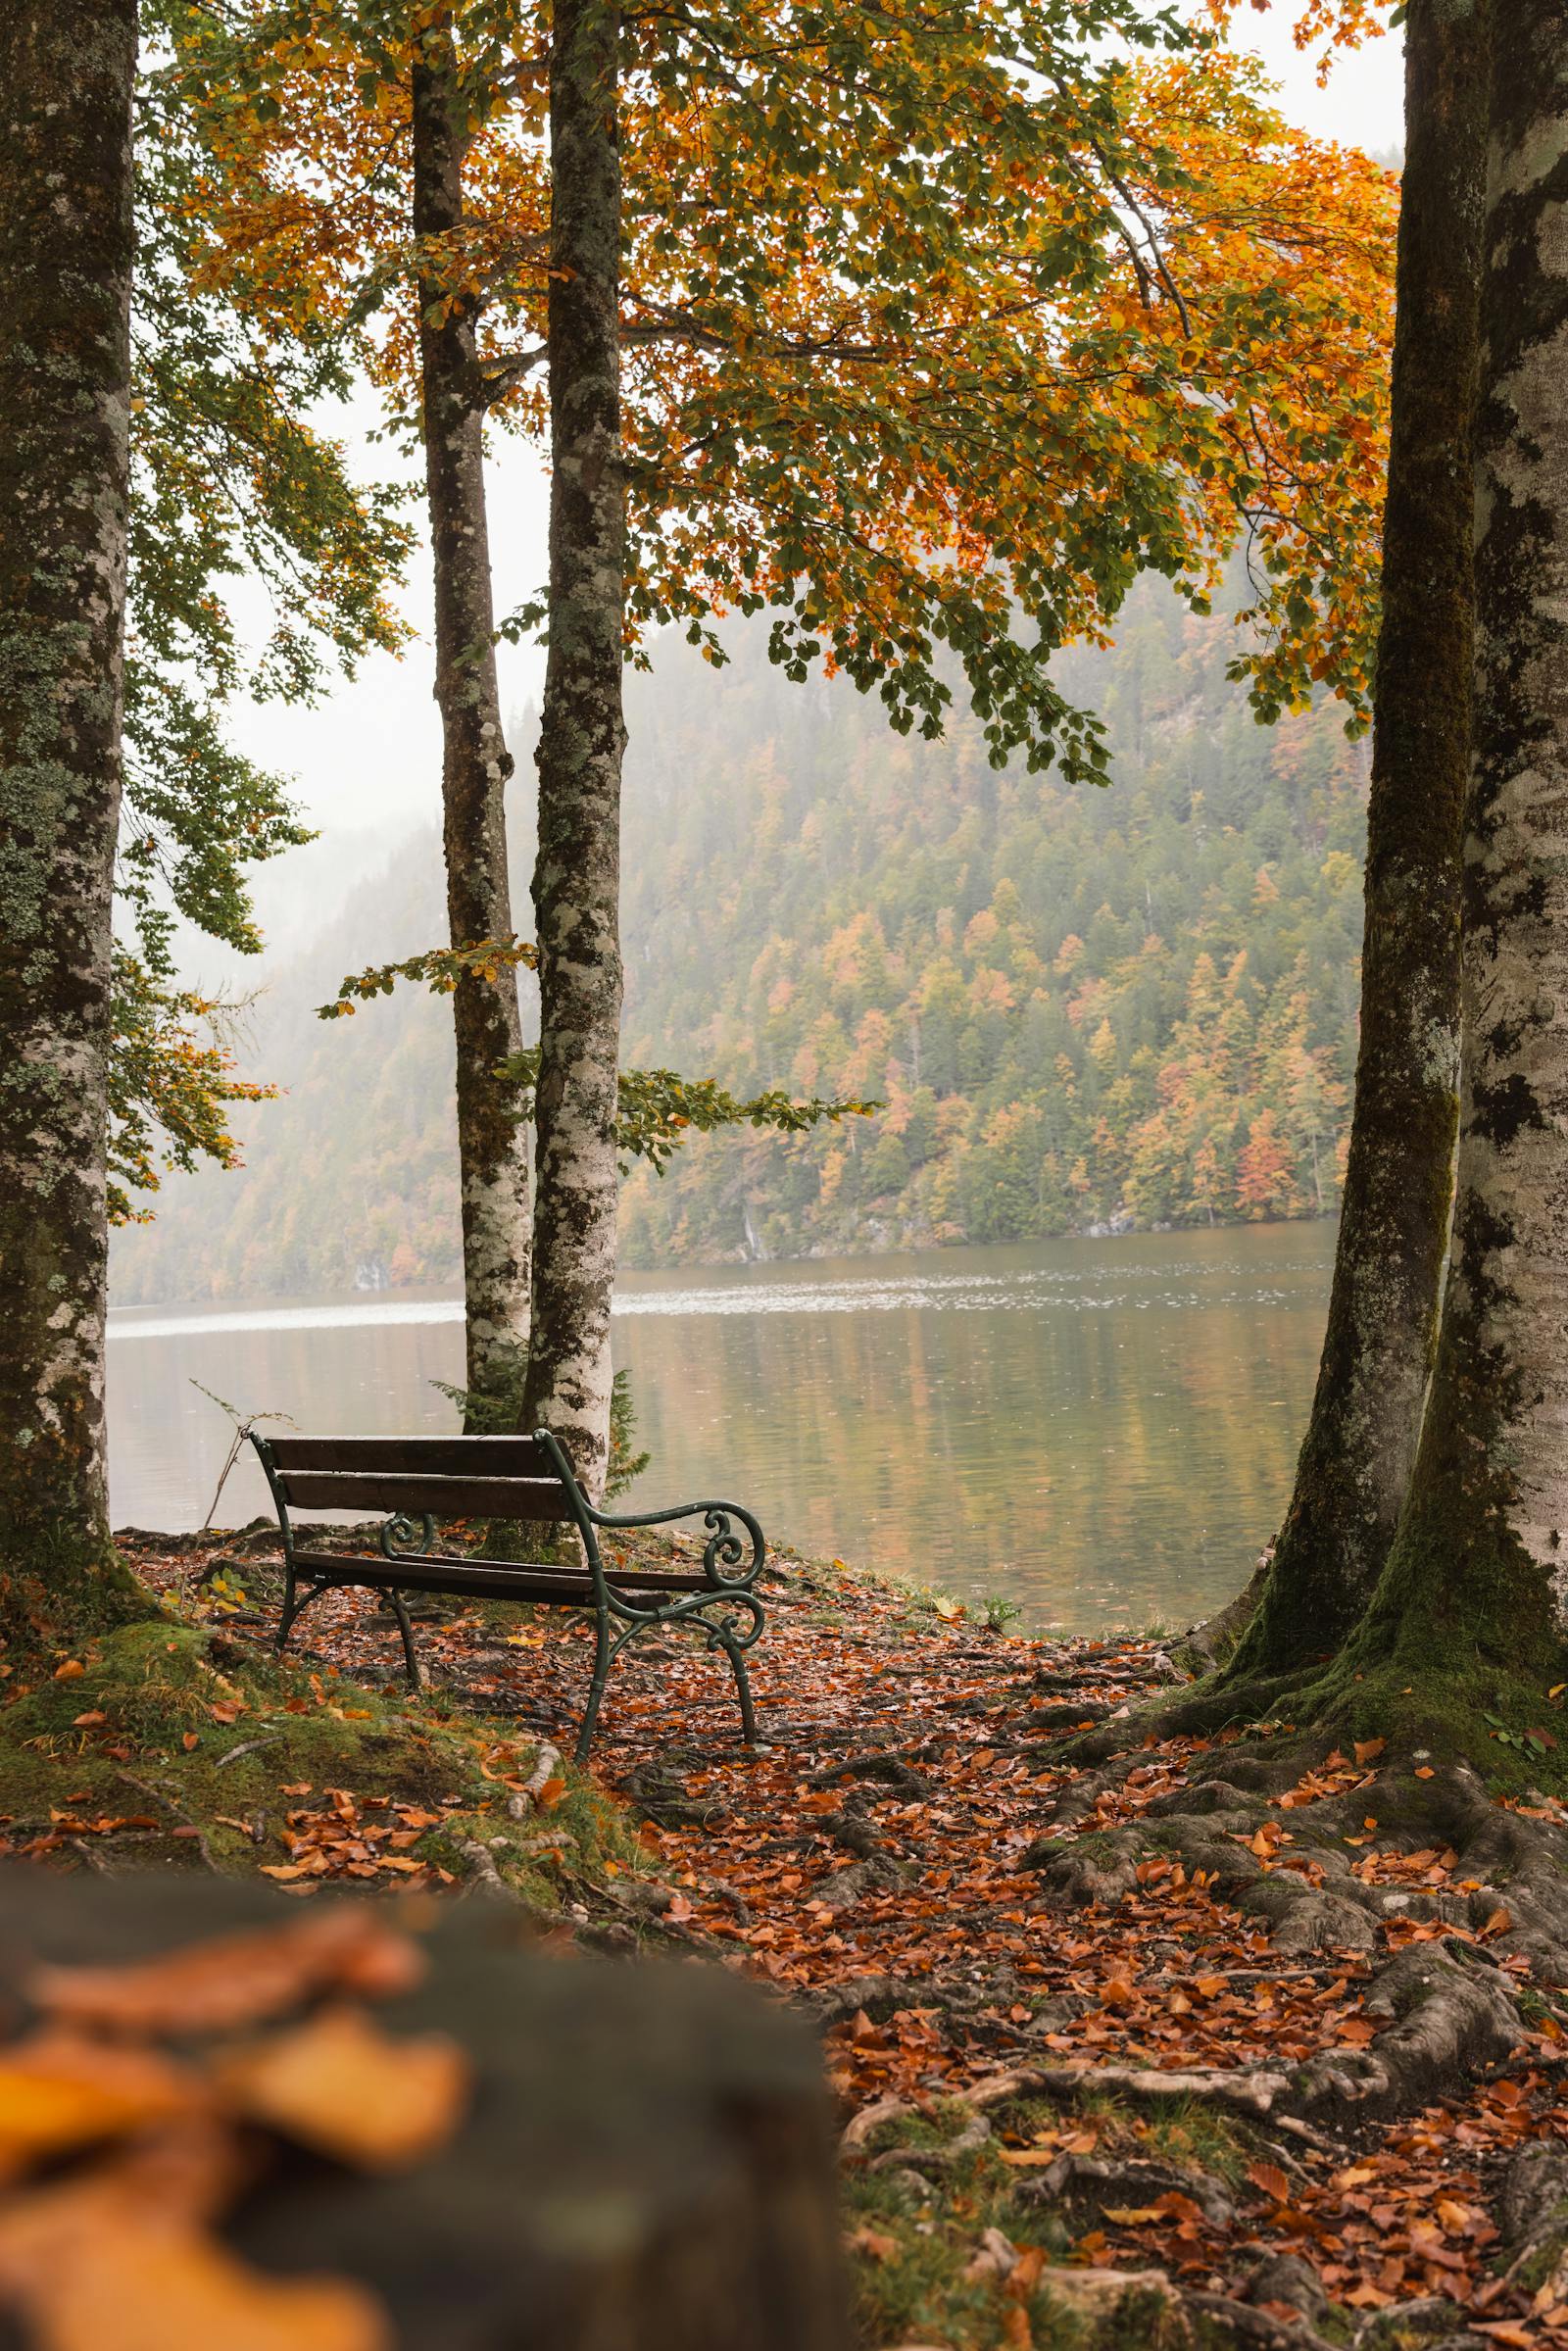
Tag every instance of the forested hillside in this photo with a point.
(1081, 1008)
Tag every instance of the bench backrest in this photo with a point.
(449, 1476)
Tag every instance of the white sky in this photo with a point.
(371, 756)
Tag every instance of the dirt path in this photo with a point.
(1201, 2024)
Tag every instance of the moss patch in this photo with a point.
(166, 1741)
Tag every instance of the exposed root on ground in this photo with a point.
(1235, 2036)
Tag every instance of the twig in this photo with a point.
(148, 1788)
(546, 1765)
(247, 1746)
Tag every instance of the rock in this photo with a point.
(1118, 2306)
(1534, 2187)
(1288, 2279)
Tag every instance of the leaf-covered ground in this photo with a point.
(1249, 2038)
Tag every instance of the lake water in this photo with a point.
(1103, 1432)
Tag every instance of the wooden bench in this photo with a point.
(421, 1479)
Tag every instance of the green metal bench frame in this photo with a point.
(421, 1479)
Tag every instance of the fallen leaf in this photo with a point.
(234, 1978)
(1367, 1750)
(1271, 2180)
(341, 2086)
(58, 2092)
(88, 1721)
(97, 2270)
(72, 1671)
(873, 2242)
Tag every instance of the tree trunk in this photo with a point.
(491, 1138)
(577, 877)
(67, 70)
(1357, 1460)
(645, 2162)
(1474, 1598)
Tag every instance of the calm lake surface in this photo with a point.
(1104, 1431)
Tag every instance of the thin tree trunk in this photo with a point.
(577, 877)
(1355, 1464)
(1476, 1590)
(67, 72)
(491, 1138)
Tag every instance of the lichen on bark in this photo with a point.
(67, 72)
(1360, 1444)
(475, 764)
(1477, 1584)
(582, 737)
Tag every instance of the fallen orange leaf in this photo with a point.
(235, 1979)
(59, 2093)
(97, 2270)
(342, 2086)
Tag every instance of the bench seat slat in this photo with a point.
(443, 1497)
(421, 1572)
(423, 1456)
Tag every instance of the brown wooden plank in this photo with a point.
(423, 1572)
(424, 1456)
(444, 1497)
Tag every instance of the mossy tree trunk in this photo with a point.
(67, 70)
(491, 1138)
(1474, 1596)
(577, 876)
(1356, 1459)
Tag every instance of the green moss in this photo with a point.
(155, 1685)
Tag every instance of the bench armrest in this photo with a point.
(724, 1560)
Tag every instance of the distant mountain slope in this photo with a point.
(1082, 1008)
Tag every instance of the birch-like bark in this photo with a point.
(577, 876)
(1360, 1444)
(1477, 1585)
(67, 70)
(492, 1137)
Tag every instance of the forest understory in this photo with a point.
(1253, 2038)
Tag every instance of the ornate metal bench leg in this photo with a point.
(285, 1623)
(595, 1692)
(744, 1686)
(394, 1601)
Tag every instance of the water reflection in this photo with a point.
(1100, 1431)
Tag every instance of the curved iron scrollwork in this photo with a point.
(724, 1548)
(403, 1534)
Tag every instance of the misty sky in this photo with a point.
(369, 757)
